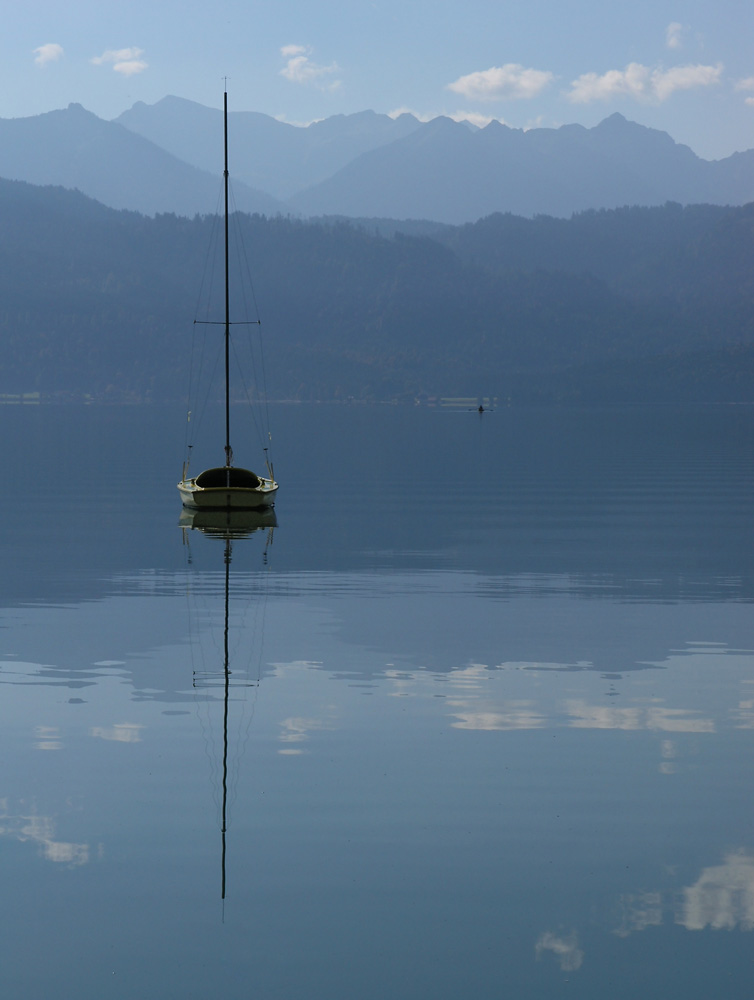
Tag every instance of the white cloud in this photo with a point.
(640, 911)
(722, 898)
(565, 947)
(289, 51)
(747, 84)
(403, 110)
(124, 61)
(490, 720)
(665, 83)
(641, 83)
(48, 738)
(500, 83)
(41, 830)
(299, 68)
(475, 118)
(674, 35)
(121, 732)
(669, 720)
(297, 728)
(48, 53)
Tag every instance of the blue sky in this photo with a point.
(686, 68)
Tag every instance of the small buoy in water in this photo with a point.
(481, 409)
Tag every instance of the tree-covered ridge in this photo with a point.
(630, 303)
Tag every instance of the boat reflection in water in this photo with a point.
(230, 526)
(228, 523)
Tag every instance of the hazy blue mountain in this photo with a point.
(76, 149)
(265, 153)
(447, 173)
(167, 157)
(629, 304)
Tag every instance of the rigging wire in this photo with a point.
(242, 255)
(203, 301)
(258, 402)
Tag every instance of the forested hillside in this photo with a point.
(629, 304)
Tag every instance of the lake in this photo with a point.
(486, 728)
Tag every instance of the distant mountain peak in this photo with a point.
(446, 123)
(495, 126)
(616, 129)
(617, 123)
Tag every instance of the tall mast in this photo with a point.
(226, 659)
(228, 451)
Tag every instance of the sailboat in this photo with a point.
(227, 486)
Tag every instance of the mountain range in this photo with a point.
(266, 154)
(75, 149)
(632, 304)
(167, 157)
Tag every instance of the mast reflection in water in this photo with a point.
(229, 526)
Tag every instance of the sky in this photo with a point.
(686, 68)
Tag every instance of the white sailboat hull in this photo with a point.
(227, 497)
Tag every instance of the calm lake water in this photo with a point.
(487, 730)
